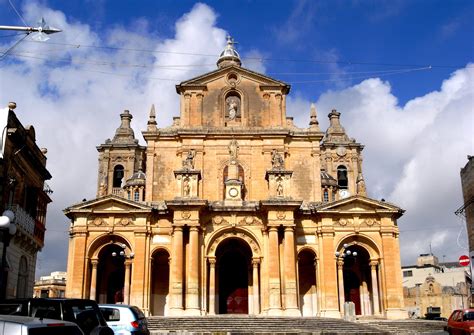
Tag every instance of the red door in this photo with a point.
(237, 302)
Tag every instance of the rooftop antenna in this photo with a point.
(431, 253)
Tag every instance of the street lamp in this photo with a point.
(8, 229)
(122, 252)
(345, 252)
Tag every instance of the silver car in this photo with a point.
(27, 325)
(125, 319)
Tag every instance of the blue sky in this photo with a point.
(369, 59)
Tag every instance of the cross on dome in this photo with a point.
(229, 56)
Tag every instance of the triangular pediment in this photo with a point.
(358, 204)
(109, 203)
(206, 78)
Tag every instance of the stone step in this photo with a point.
(256, 325)
(406, 326)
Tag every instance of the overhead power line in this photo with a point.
(256, 58)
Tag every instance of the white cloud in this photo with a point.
(413, 154)
(75, 107)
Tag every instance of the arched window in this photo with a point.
(136, 196)
(326, 195)
(342, 181)
(22, 279)
(118, 176)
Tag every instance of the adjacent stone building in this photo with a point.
(52, 286)
(23, 190)
(433, 286)
(234, 209)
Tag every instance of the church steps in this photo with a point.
(231, 324)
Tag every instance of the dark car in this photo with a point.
(461, 322)
(85, 313)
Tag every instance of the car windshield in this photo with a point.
(468, 316)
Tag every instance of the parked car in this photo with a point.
(85, 313)
(125, 319)
(27, 325)
(461, 322)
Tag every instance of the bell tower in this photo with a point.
(119, 159)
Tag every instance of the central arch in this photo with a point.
(233, 258)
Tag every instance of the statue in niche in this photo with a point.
(279, 189)
(186, 187)
(233, 150)
(277, 160)
(233, 107)
(188, 162)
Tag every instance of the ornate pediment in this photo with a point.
(108, 204)
(228, 72)
(358, 204)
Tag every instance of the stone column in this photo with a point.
(375, 287)
(93, 287)
(212, 285)
(317, 302)
(126, 290)
(340, 281)
(274, 272)
(176, 289)
(192, 287)
(291, 299)
(255, 286)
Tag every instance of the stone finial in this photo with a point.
(335, 132)
(152, 120)
(124, 133)
(313, 123)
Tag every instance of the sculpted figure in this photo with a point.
(233, 150)
(232, 107)
(186, 188)
(277, 160)
(279, 189)
(188, 162)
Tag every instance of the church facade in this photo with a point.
(234, 209)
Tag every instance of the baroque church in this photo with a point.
(234, 209)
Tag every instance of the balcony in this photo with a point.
(27, 225)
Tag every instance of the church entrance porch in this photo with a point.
(307, 283)
(233, 261)
(159, 286)
(358, 282)
(110, 275)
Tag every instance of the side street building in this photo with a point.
(234, 209)
(52, 286)
(431, 286)
(23, 190)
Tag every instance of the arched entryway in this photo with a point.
(233, 267)
(359, 279)
(307, 282)
(110, 280)
(159, 290)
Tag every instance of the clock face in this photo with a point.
(341, 151)
(344, 193)
(233, 192)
